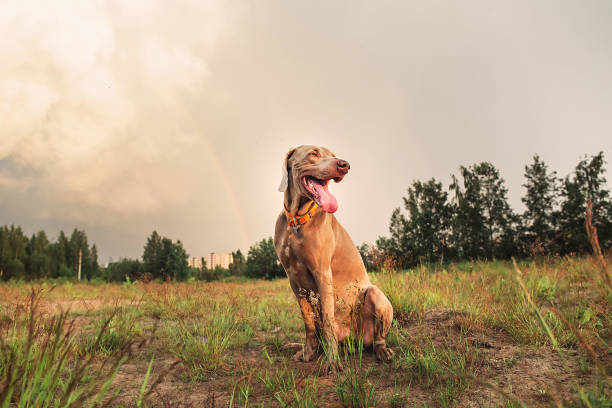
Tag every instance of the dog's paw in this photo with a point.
(383, 353)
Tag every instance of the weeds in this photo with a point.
(399, 398)
(288, 389)
(122, 329)
(447, 368)
(353, 387)
(202, 345)
(41, 369)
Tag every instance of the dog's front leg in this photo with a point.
(325, 284)
(308, 315)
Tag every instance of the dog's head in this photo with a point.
(307, 171)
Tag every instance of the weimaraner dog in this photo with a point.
(324, 267)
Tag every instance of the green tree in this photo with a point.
(262, 261)
(429, 221)
(165, 259)
(39, 262)
(60, 256)
(236, 268)
(218, 273)
(164, 256)
(397, 245)
(177, 264)
(5, 252)
(13, 253)
(153, 256)
(93, 268)
(586, 183)
(541, 201)
(484, 225)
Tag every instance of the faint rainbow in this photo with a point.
(229, 191)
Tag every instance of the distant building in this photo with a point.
(217, 259)
(195, 263)
(213, 260)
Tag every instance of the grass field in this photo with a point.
(464, 335)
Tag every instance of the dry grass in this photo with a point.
(464, 335)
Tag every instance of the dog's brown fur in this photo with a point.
(325, 269)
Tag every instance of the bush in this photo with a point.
(126, 268)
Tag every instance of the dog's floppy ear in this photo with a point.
(285, 180)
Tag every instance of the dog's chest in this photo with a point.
(291, 260)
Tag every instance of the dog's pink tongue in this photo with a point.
(325, 199)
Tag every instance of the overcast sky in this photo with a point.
(121, 117)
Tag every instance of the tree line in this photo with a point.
(473, 220)
(35, 257)
(166, 260)
(162, 259)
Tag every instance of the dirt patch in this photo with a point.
(538, 375)
(84, 305)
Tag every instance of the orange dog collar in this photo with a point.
(296, 221)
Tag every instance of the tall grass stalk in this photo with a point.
(143, 387)
(594, 240)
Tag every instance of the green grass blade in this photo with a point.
(143, 387)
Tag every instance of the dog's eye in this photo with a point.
(314, 154)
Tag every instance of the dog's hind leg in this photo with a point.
(376, 318)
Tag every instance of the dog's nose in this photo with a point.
(343, 166)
